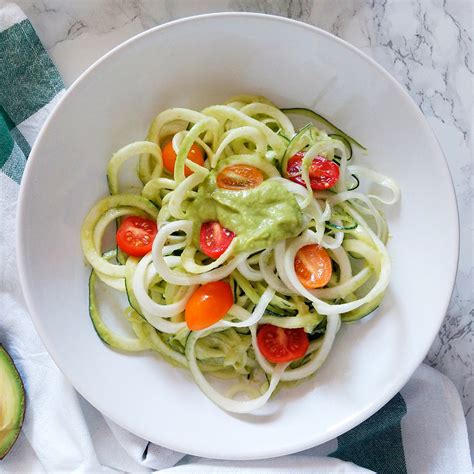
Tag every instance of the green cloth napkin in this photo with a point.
(30, 87)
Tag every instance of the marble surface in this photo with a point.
(425, 44)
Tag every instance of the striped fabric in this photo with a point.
(30, 87)
(391, 441)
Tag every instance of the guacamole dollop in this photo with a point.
(260, 217)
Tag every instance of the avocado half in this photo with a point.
(12, 403)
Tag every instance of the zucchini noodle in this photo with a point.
(269, 225)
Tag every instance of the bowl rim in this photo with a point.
(293, 446)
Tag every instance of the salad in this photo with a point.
(248, 245)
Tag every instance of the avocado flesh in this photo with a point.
(12, 403)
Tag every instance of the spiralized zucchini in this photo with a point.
(247, 130)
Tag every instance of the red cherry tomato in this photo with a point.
(169, 158)
(323, 173)
(214, 239)
(280, 344)
(135, 235)
(238, 177)
(208, 304)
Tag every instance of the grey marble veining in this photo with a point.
(425, 44)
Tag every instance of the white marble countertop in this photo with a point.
(425, 44)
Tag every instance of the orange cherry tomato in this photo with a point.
(169, 157)
(313, 266)
(280, 344)
(239, 177)
(135, 235)
(208, 304)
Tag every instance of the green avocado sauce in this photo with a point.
(260, 217)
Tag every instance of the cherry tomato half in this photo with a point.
(169, 157)
(135, 235)
(313, 266)
(214, 239)
(280, 344)
(208, 304)
(238, 177)
(323, 173)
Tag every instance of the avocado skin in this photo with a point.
(12, 372)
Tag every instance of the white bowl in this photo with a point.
(193, 63)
